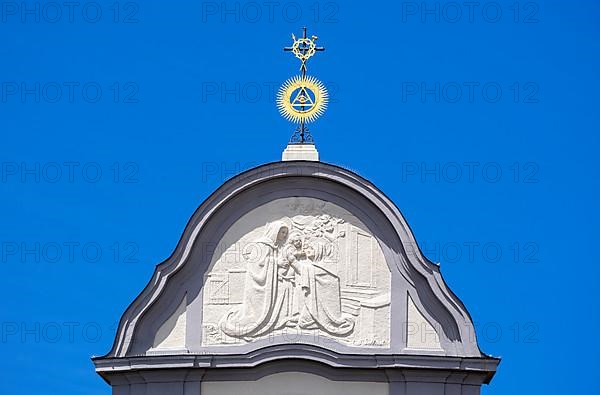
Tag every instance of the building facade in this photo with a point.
(296, 277)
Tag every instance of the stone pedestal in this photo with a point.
(300, 152)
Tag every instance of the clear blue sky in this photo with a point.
(482, 128)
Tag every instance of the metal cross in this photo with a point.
(304, 48)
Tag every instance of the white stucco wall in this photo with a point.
(421, 335)
(171, 335)
(294, 383)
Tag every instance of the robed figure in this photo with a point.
(318, 290)
(288, 284)
(261, 307)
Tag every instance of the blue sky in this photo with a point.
(118, 119)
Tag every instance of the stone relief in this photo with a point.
(298, 266)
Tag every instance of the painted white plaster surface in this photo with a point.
(294, 383)
(421, 335)
(171, 334)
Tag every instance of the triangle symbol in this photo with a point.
(302, 98)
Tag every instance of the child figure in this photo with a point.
(286, 274)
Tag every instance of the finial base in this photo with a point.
(302, 135)
(300, 152)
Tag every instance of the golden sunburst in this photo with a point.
(302, 99)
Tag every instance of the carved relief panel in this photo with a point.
(297, 266)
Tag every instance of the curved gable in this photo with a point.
(354, 284)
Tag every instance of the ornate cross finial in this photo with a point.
(304, 48)
(302, 99)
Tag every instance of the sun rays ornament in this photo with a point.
(302, 99)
